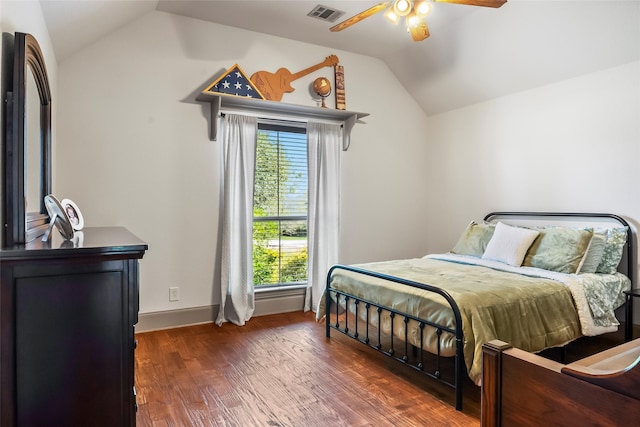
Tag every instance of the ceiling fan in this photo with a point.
(414, 13)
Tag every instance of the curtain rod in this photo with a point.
(280, 117)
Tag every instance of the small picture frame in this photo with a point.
(74, 214)
(59, 219)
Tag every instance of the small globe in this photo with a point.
(322, 86)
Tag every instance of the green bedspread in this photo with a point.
(530, 313)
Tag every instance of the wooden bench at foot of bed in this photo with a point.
(521, 388)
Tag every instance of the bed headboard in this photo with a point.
(576, 219)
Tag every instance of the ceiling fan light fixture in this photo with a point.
(413, 20)
(414, 12)
(392, 16)
(402, 7)
(422, 8)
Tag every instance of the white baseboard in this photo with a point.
(267, 302)
(283, 300)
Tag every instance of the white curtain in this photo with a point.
(238, 153)
(324, 144)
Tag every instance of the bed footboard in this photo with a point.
(521, 388)
(411, 355)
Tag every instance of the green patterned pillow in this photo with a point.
(474, 239)
(616, 239)
(558, 249)
(593, 257)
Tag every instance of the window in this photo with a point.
(280, 206)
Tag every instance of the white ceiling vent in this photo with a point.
(325, 13)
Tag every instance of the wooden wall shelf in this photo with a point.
(221, 102)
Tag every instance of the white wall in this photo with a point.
(569, 146)
(26, 17)
(134, 151)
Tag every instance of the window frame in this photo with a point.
(290, 127)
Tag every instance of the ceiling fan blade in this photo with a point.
(359, 17)
(485, 3)
(419, 32)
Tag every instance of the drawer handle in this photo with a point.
(135, 399)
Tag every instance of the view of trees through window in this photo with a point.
(280, 206)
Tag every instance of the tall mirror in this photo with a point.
(32, 145)
(27, 156)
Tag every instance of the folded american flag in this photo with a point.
(235, 82)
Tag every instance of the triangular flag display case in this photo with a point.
(234, 82)
(218, 96)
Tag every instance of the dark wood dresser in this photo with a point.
(68, 310)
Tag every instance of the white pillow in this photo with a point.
(509, 244)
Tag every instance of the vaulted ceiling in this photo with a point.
(473, 54)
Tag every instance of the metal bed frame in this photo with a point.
(391, 352)
(459, 364)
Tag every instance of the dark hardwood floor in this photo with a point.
(280, 370)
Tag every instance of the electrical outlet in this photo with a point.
(174, 294)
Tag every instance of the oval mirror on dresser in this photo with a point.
(27, 154)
